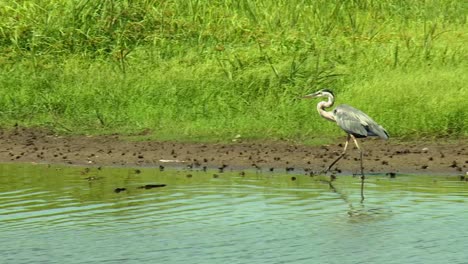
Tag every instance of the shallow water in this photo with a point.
(52, 214)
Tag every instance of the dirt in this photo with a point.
(390, 157)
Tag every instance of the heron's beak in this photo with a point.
(309, 96)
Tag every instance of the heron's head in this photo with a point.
(321, 93)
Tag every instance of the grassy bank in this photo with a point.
(215, 69)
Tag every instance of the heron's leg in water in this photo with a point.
(362, 168)
(342, 154)
(360, 154)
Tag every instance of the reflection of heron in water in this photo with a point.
(354, 122)
(359, 213)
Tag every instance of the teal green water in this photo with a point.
(57, 215)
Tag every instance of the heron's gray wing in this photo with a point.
(356, 122)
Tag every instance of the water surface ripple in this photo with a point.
(73, 215)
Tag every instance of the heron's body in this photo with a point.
(357, 123)
(353, 121)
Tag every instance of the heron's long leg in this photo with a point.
(342, 154)
(362, 168)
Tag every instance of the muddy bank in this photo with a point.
(392, 156)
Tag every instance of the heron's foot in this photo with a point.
(326, 171)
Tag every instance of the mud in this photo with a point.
(391, 157)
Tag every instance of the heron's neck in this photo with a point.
(321, 109)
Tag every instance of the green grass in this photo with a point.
(211, 70)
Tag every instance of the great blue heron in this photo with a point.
(353, 121)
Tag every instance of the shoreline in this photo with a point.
(25, 145)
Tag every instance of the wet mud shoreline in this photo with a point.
(393, 156)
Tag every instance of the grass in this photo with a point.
(211, 70)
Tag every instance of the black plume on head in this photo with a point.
(326, 90)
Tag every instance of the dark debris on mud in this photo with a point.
(387, 157)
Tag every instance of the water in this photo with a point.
(61, 215)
